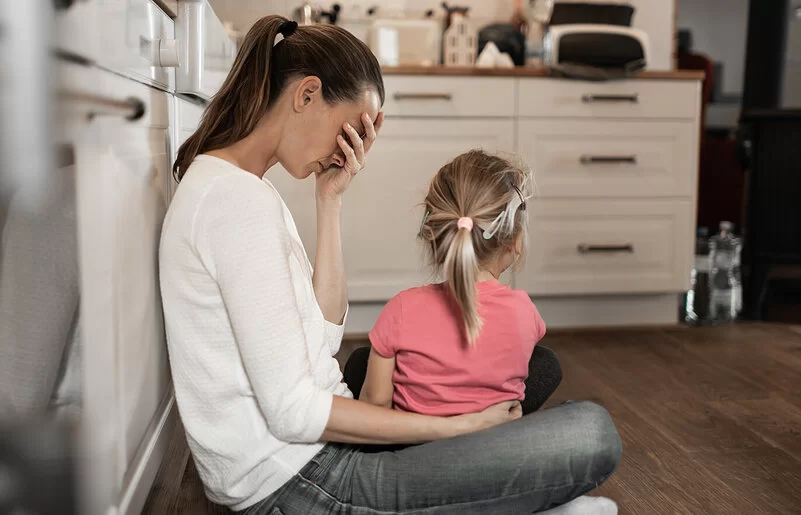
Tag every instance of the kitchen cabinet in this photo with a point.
(611, 225)
(616, 167)
(382, 211)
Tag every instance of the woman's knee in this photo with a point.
(601, 442)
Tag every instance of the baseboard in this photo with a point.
(147, 461)
(599, 311)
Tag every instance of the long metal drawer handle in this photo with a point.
(589, 98)
(131, 108)
(584, 248)
(590, 160)
(424, 96)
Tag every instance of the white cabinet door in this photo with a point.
(382, 209)
(610, 158)
(600, 247)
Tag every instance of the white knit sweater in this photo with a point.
(251, 354)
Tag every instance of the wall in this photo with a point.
(655, 17)
(719, 29)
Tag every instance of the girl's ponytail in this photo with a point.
(487, 192)
(461, 272)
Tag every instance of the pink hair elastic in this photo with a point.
(465, 223)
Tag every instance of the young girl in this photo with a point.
(465, 344)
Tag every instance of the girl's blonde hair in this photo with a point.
(491, 192)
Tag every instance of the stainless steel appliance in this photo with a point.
(206, 50)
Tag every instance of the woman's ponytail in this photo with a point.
(461, 273)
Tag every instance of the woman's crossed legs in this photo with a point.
(542, 460)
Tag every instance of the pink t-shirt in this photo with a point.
(436, 373)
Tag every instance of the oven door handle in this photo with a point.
(130, 108)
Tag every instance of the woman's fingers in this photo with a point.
(352, 164)
(371, 129)
(356, 143)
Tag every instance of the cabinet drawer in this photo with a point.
(449, 96)
(619, 99)
(610, 158)
(604, 247)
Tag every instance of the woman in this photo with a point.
(252, 327)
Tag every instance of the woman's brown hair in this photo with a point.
(491, 191)
(261, 70)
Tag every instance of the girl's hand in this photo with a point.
(492, 416)
(333, 182)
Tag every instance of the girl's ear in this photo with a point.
(518, 245)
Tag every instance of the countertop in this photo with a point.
(524, 71)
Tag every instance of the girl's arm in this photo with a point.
(378, 387)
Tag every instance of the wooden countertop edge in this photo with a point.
(524, 71)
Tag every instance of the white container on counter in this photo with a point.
(406, 42)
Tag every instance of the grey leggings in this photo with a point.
(545, 459)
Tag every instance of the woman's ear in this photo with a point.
(307, 92)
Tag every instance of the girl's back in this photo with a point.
(435, 372)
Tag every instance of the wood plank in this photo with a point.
(765, 360)
(655, 475)
(777, 421)
(767, 477)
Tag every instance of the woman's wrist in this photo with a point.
(329, 202)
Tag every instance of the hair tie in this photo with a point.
(287, 28)
(465, 223)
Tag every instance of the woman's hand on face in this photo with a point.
(494, 415)
(333, 182)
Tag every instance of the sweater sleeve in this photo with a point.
(242, 237)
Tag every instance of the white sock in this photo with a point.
(584, 505)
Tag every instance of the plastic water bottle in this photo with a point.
(725, 287)
(695, 304)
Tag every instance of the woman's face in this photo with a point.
(309, 144)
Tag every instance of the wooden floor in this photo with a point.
(710, 420)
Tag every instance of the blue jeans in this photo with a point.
(542, 460)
